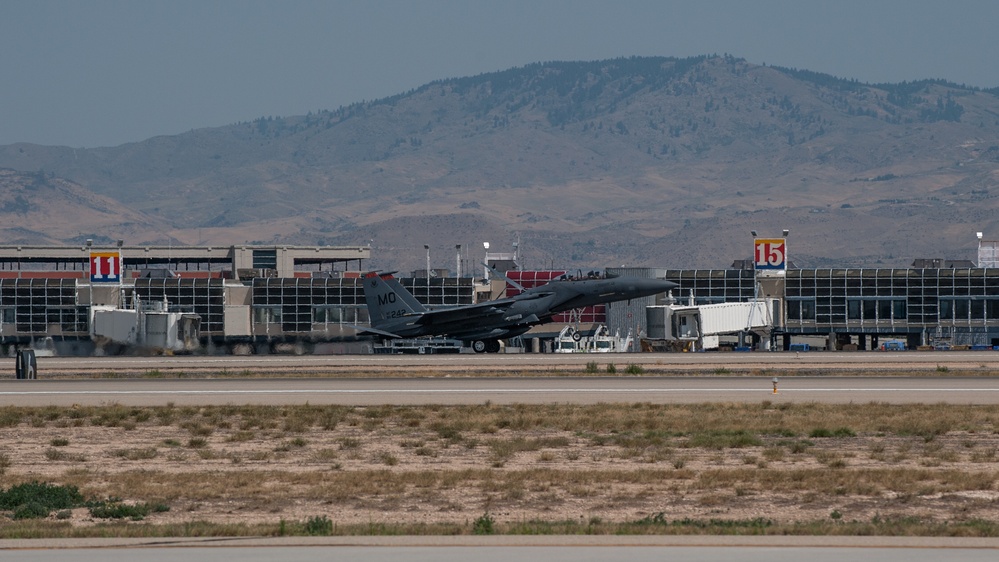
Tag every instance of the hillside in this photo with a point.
(642, 161)
(38, 208)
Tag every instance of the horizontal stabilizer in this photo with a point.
(364, 331)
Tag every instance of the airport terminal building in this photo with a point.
(934, 302)
(255, 298)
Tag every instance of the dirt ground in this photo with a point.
(360, 473)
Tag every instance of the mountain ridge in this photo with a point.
(640, 161)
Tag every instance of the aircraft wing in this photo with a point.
(444, 316)
(574, 302)
(482, 310)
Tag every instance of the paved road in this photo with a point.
(504, 554)
(501, 549)
(975, 361)
(500, 390)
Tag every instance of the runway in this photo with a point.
(554, 549)
(753, 363)
(500, 390)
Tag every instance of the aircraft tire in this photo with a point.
(492, 346)
(480, 346)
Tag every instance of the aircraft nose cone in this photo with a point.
(653, 286)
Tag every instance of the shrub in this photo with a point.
(240, 437)
(135, 454)
(319, 526)
(52, 497)
(196, 429)
(633, 369)
(117, 510)
(10, 416)
(484, 525)
(113, 508)
(425, 452)
(31, 510)
(349, 443)
(839, 432)
(722, 439)
(799, 447)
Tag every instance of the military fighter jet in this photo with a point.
(395, 312)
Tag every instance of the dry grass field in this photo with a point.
(609, 468)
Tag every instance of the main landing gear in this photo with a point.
(486, 346)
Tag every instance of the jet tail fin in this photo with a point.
(402, 293)
(387, 298)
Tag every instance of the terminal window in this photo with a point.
(801, 310)
(267, 315)
(872, 310)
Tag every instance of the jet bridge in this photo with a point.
(148, 325)
(700, 327)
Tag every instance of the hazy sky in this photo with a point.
(102, 73)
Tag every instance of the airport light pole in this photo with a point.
(90, 289)
(485, 262)
(427, 248)
(121, 275)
